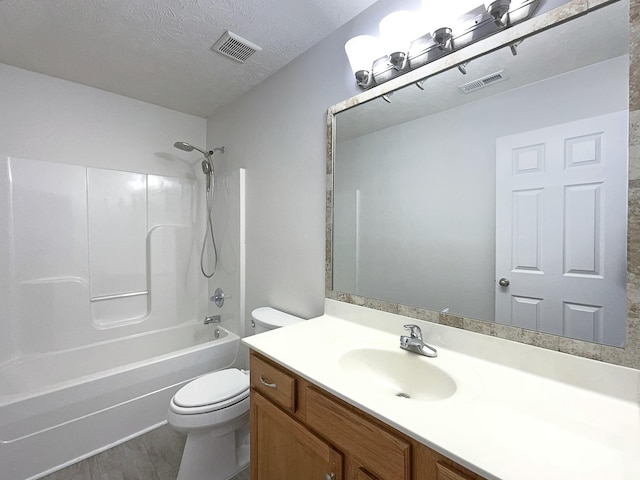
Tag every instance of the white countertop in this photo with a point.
(554, 416)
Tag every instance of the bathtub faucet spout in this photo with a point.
(212, 319)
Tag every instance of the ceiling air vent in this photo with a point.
(234, 46)
(483, 82)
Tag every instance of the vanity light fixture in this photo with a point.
(362, 51)
(498, 9)
(444, 39)
(409, 40)
(397, 30)
(443, 17)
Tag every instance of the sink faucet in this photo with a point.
(414, 343)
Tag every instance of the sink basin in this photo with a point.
(402, 374)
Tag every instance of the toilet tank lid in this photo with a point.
(270, 317)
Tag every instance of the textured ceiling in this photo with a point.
(159, 51)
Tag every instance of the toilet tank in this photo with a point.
(267, 318)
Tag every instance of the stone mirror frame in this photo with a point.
(628, 356)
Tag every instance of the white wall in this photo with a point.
(427, 216)
(48, 119)
(277, 131)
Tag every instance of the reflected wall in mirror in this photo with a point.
(514, 174)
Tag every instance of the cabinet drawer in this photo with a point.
(377, 450)
(275, 384)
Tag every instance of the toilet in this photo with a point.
(213, 410)
(264, 319)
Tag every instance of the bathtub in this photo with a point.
(58, 408)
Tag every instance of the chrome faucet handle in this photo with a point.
(414, 331)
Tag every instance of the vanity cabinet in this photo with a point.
(282, 448)
(299, 431)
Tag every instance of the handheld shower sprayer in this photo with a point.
(207, 163)
(207, 169)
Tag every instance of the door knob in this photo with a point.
(503, 282)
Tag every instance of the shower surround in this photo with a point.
(111, 247)
(102, 305)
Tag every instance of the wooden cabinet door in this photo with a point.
(383, 454)
(283, 449)
(362, 474)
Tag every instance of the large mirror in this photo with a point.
(499, 194)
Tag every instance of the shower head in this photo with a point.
(187, 147)
(207, 163)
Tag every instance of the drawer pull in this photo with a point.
(267, 384)
(330, 476)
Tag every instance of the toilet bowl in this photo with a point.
(213, 410)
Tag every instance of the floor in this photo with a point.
(153, 456)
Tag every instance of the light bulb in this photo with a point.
(362, 51)
(437, 14)
(397, 30)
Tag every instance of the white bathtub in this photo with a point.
(58, 408)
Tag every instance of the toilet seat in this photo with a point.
(211, 392)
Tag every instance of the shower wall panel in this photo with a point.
(229, 225)
(49, 249)
(175, 213)
(117, 246)
(94, 254)
(7, 324)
